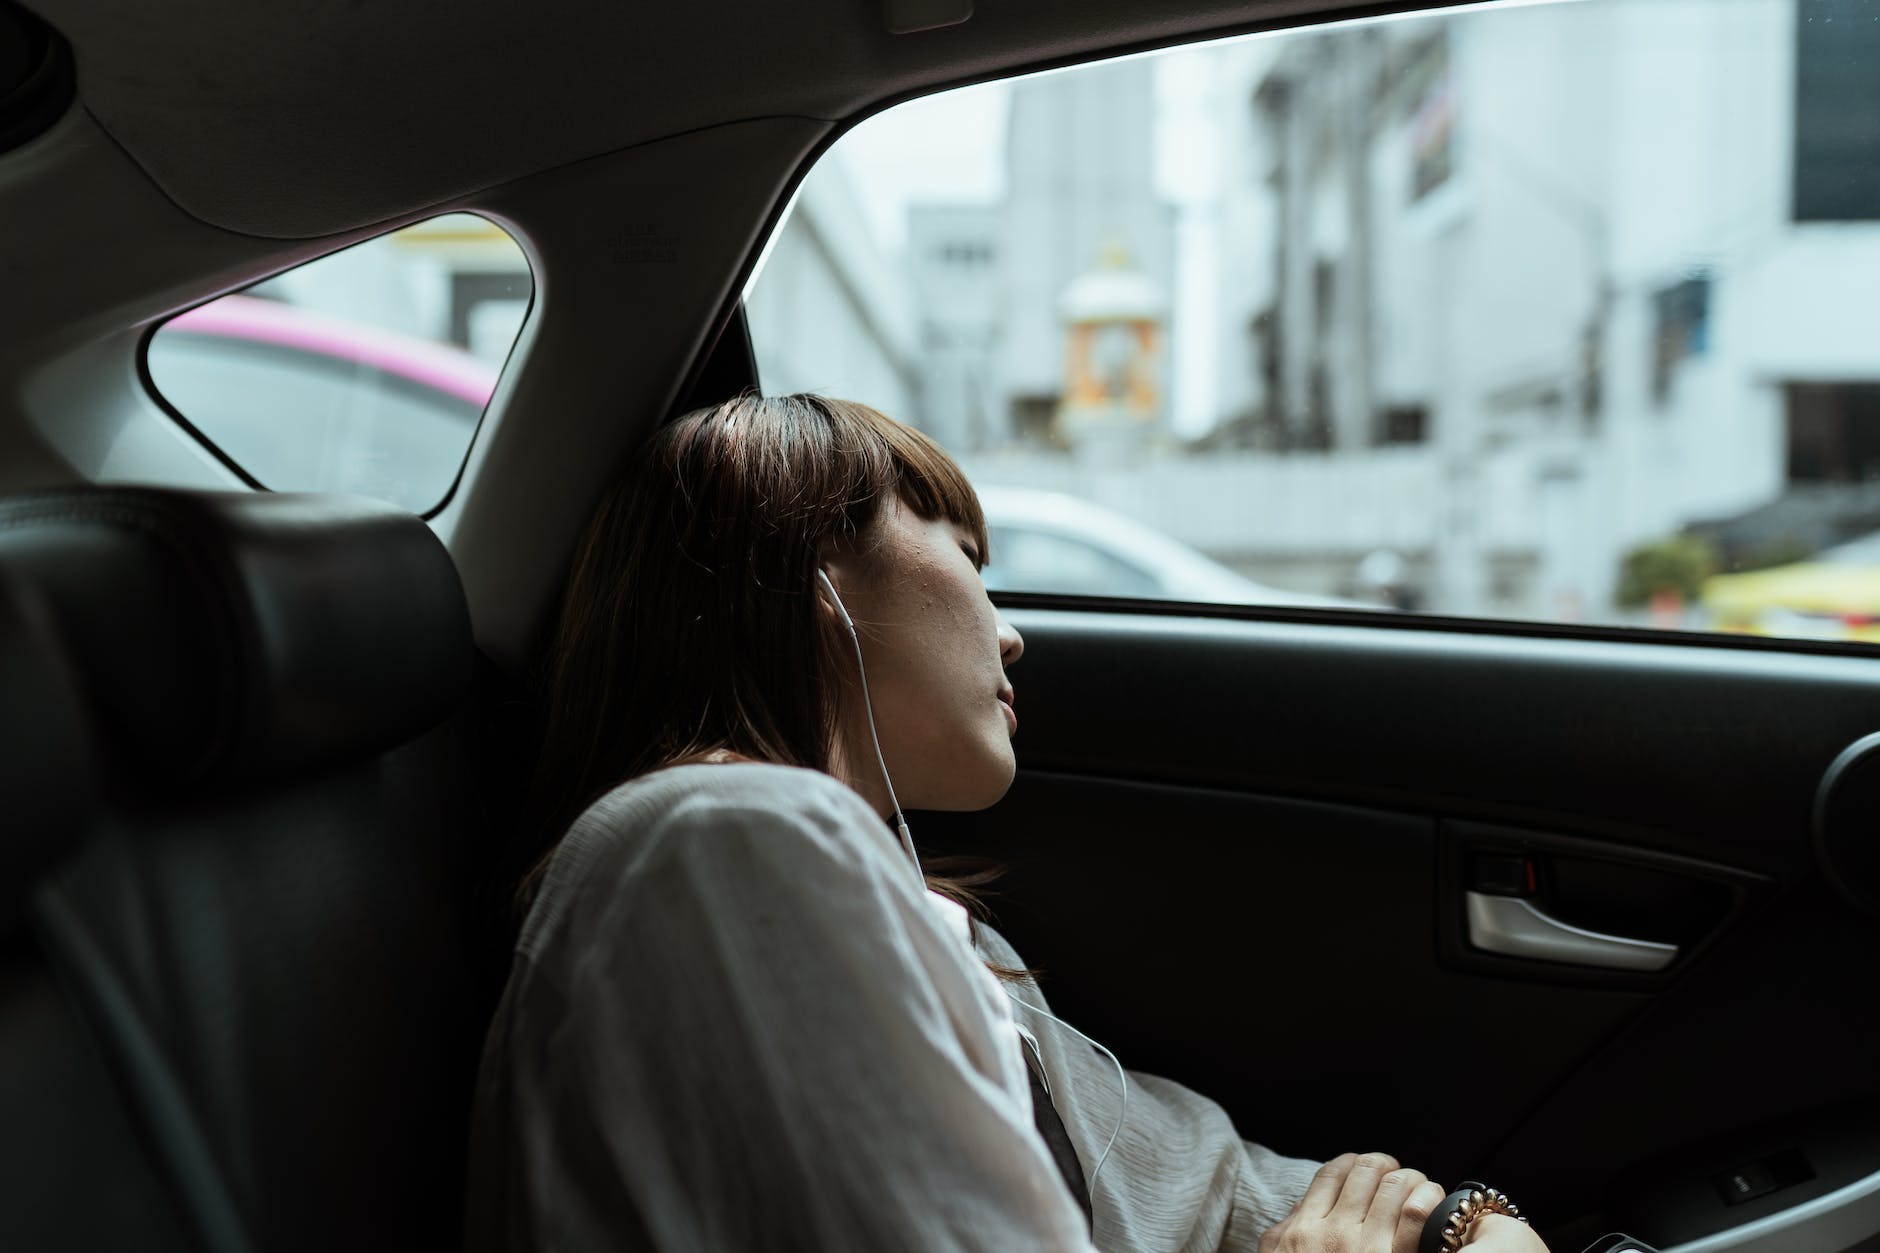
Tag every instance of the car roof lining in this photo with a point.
(304, 120)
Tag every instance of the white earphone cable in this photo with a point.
(900, 819)
(868, 706)
(1122, 1078)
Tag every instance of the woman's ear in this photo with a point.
(837, 561)
(827, 583)
(851, 568)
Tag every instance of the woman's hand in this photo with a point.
(1362, 1204)
(1497, 1233)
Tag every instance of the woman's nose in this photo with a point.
(1011, 643)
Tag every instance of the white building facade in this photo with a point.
(1551, 252)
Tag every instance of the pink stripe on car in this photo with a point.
(441, 367)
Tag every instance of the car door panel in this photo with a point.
(1703, 750)
(1278, 955)
(1264, 834)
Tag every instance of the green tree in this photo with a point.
(1679, 563)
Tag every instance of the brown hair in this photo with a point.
(691, 625)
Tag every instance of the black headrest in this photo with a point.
(45, 774)
(227, 635)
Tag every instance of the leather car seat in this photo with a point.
(265, 927)
(63, 1127)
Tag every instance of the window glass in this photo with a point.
(1557, 312)
(363, 372)
(1042, 561)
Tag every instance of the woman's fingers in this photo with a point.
(1270, 1242)
(1361, 1184)
(1390, 1194)
(1358, 1204)
(1418, 1204)
(1326, 1186)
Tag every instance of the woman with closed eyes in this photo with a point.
(740, 1016)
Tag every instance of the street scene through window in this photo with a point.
(1565, 312)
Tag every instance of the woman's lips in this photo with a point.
(1011, 715)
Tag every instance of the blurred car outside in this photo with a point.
(304, 401)
(1834, 595)
(1049, 542)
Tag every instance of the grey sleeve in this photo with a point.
(1268, 1187)
(765, 1043)
(1180, 1177)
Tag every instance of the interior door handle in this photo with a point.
(1513, 927)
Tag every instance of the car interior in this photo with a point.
(1584, 911)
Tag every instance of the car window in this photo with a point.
(363, 372)
(1553, 312)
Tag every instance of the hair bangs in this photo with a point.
(923, 475)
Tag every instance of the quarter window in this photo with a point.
(364, 372)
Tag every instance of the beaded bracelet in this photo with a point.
(1467, 1210)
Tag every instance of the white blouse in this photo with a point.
(735, 1022)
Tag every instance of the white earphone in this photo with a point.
(868, 705)
(920, 881)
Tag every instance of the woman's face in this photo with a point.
(936, 652)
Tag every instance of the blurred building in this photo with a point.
(1602, 265)
(953, 255)
(991, 282)
(834, 311)
(1081, 193)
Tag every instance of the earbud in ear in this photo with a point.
(823, 576)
